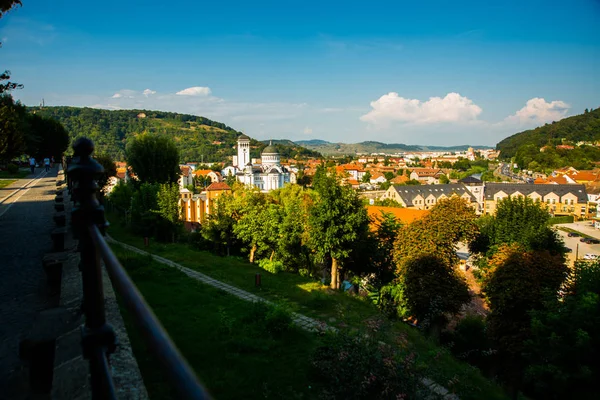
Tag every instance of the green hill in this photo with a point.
(369, 147)
(579, 128)
(198, 138)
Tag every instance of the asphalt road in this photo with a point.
(25, 225)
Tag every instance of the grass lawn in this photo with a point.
(19, 175)
(223, 338)
(309, 297)
(6, 182)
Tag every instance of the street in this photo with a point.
(572, 242)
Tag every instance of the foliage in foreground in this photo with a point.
(356, 366)
(563, 351)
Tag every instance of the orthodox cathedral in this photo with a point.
(267, 175)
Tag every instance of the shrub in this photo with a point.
(353, 366)
(275, 319)
(273, 267)
(197, 241)
(563, 219)
(469, 341)
(12, 168)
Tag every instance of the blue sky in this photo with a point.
(435, 72)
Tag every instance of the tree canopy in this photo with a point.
(336, 220)
(153, 158)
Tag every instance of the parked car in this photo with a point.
(568, 250)
(573, 234)
(592, 241)
(590, 256)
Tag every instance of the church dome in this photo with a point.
(270, 149)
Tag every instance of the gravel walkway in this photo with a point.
(25, 226)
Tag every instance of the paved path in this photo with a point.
(302, 321)
(25, 225)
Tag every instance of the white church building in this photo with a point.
(268, 175)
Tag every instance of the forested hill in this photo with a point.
(584, 127)
(198, 138)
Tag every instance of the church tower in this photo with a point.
(243, 156)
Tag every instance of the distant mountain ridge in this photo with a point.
(328, 148)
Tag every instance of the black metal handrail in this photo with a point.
(98, 337)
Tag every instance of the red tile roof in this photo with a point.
(218, 186)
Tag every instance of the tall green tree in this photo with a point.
(154, 158)
(258, 222)
(47, 137)
(294, 203)
(517, 220)
(167, 202)
(336, 221)
(431, 289)
(517, 282)
(563, 352)
(13, 128)
(220, 223)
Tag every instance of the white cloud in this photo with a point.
(538, 111)
(148, 92)
(195, 91)
(452, 108)
(125, 94)
(308, 131)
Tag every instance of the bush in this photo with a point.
(12, 168)
(354, 366)
(274, 318)
(564, 219)
(469, 341)
(273, 267)
(197, 241)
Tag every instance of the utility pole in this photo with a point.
(577, 252)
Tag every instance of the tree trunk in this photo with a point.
(335, 284)
(252, 251)
(272, 254)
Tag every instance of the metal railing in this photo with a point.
(98, 337)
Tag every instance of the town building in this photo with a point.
(569, 199)
(424, 197)
(267, 175)
(195, 208)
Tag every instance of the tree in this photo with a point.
(258, 221)
(294, 205)
(121, 197)
(167, 201)
(516, 282)
(110, 170)
(563, 352)
(518, 220)
(5, 6)
(389, 175)
(336, 220)
(13, 127)
(444, 179)
(366, 177)
(153, 158)
(143, 204)
(220, 223)
(47, 137)
(431, 289)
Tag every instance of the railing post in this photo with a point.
(98, 338)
